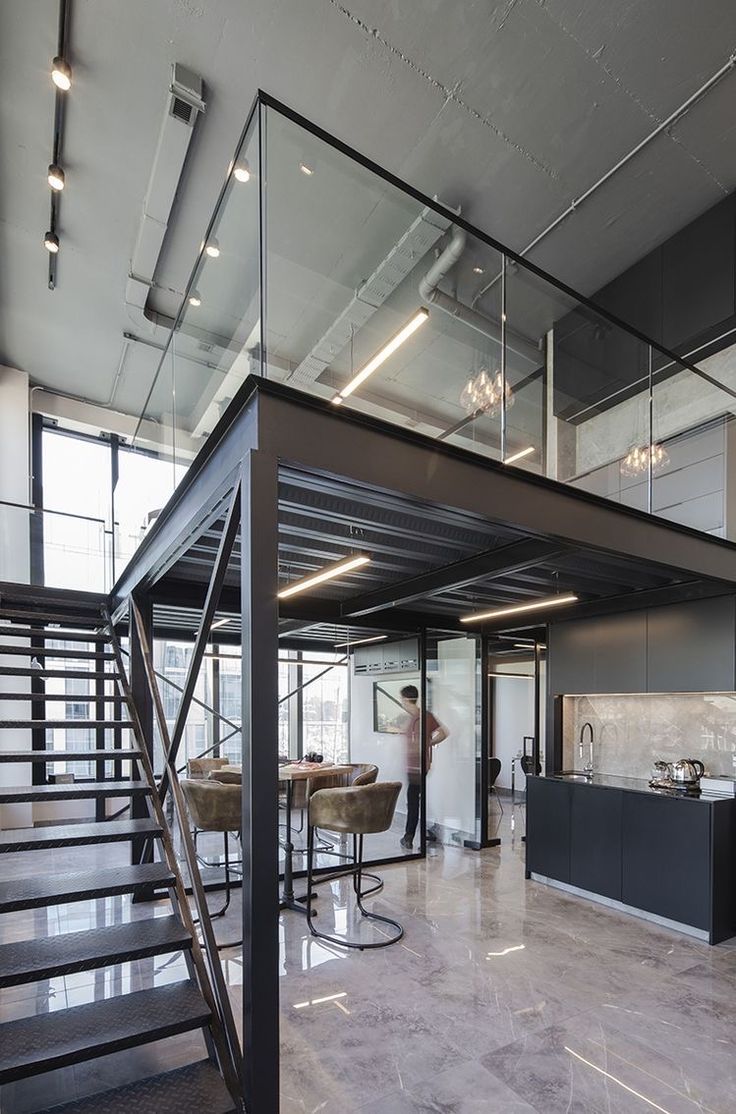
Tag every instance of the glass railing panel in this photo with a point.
(53, 549)
(214, 346)
(586, 407)
(361, 276)
(693, 444)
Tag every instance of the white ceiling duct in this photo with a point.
(184, 104)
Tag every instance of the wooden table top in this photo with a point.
(301, 771)
(296, 771)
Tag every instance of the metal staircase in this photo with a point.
(61, 1038)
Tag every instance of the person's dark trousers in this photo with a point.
(412, 806)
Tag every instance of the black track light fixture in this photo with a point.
(51, 242)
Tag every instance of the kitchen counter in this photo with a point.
(637, 785)
(618, 841)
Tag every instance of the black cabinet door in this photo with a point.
(595, 840)
(666, 858)
(690, 647)
(548, 828)
(620, 662)
(571, 657)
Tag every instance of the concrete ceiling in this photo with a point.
(510, 109)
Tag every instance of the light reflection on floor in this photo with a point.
(503, 996)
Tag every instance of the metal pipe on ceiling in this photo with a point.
(429, 291)
(575, 204)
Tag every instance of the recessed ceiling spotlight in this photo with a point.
(479, 270)
(51, 242)
(61, 74)
(306, 169)
(56, 177)
(242, 171)
(212, 247)
(195, 298)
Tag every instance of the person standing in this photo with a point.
(434, 733)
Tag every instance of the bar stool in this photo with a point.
(357, 810)
(215, 807)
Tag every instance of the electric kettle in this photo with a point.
(686, 771)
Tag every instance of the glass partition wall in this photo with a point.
(323, 272)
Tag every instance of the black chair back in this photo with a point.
(494, 769)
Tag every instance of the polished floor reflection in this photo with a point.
(504, 996)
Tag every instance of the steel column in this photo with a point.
(259, 618)
(141, 849)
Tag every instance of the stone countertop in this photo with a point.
(638, 785)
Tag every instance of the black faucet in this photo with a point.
(588, 769)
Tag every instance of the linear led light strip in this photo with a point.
(361, 641)
(518, 456)
(538, 605)
(328, 573)
(382, 355)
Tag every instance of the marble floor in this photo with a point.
(504, 996)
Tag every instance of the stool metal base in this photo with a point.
(360, 894)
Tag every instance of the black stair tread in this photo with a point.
(36, 1044)
(48, 957)
(56, 652)
(81, 885)
(65, 633)
(76, 835)
(86, 698)
(108, 755)
(64, 618)
(71, 791)
(63, 724)
(32, 671)
(195, 1089)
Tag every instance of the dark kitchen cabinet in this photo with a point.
(595, 840)
(607, 654)
(548, 828)
(691, 647)
(666, 858)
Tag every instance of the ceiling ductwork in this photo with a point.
(419, 238)
(184, 105)
(429, 292)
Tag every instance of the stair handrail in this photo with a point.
(214, 987)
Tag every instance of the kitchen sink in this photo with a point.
(576, 777)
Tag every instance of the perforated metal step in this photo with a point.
(76, 835)
(56, 652)
(33, 671)
(19, 631)
(26, 961)
(109, 755)
(36, 1044)
(195, 1089)
(54, 889)
(72, 791)
(63, 724)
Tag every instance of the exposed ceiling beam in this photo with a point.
(483, 566)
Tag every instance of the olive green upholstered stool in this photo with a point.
(215, 807)
(357, 810)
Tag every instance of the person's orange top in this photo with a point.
(412, 735)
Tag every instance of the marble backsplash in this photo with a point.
(632, 732)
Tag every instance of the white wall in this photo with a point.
(14, 567)
(513, 718)
(388, 752)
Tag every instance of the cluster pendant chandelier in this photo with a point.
(484, 393)
(638, 459)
